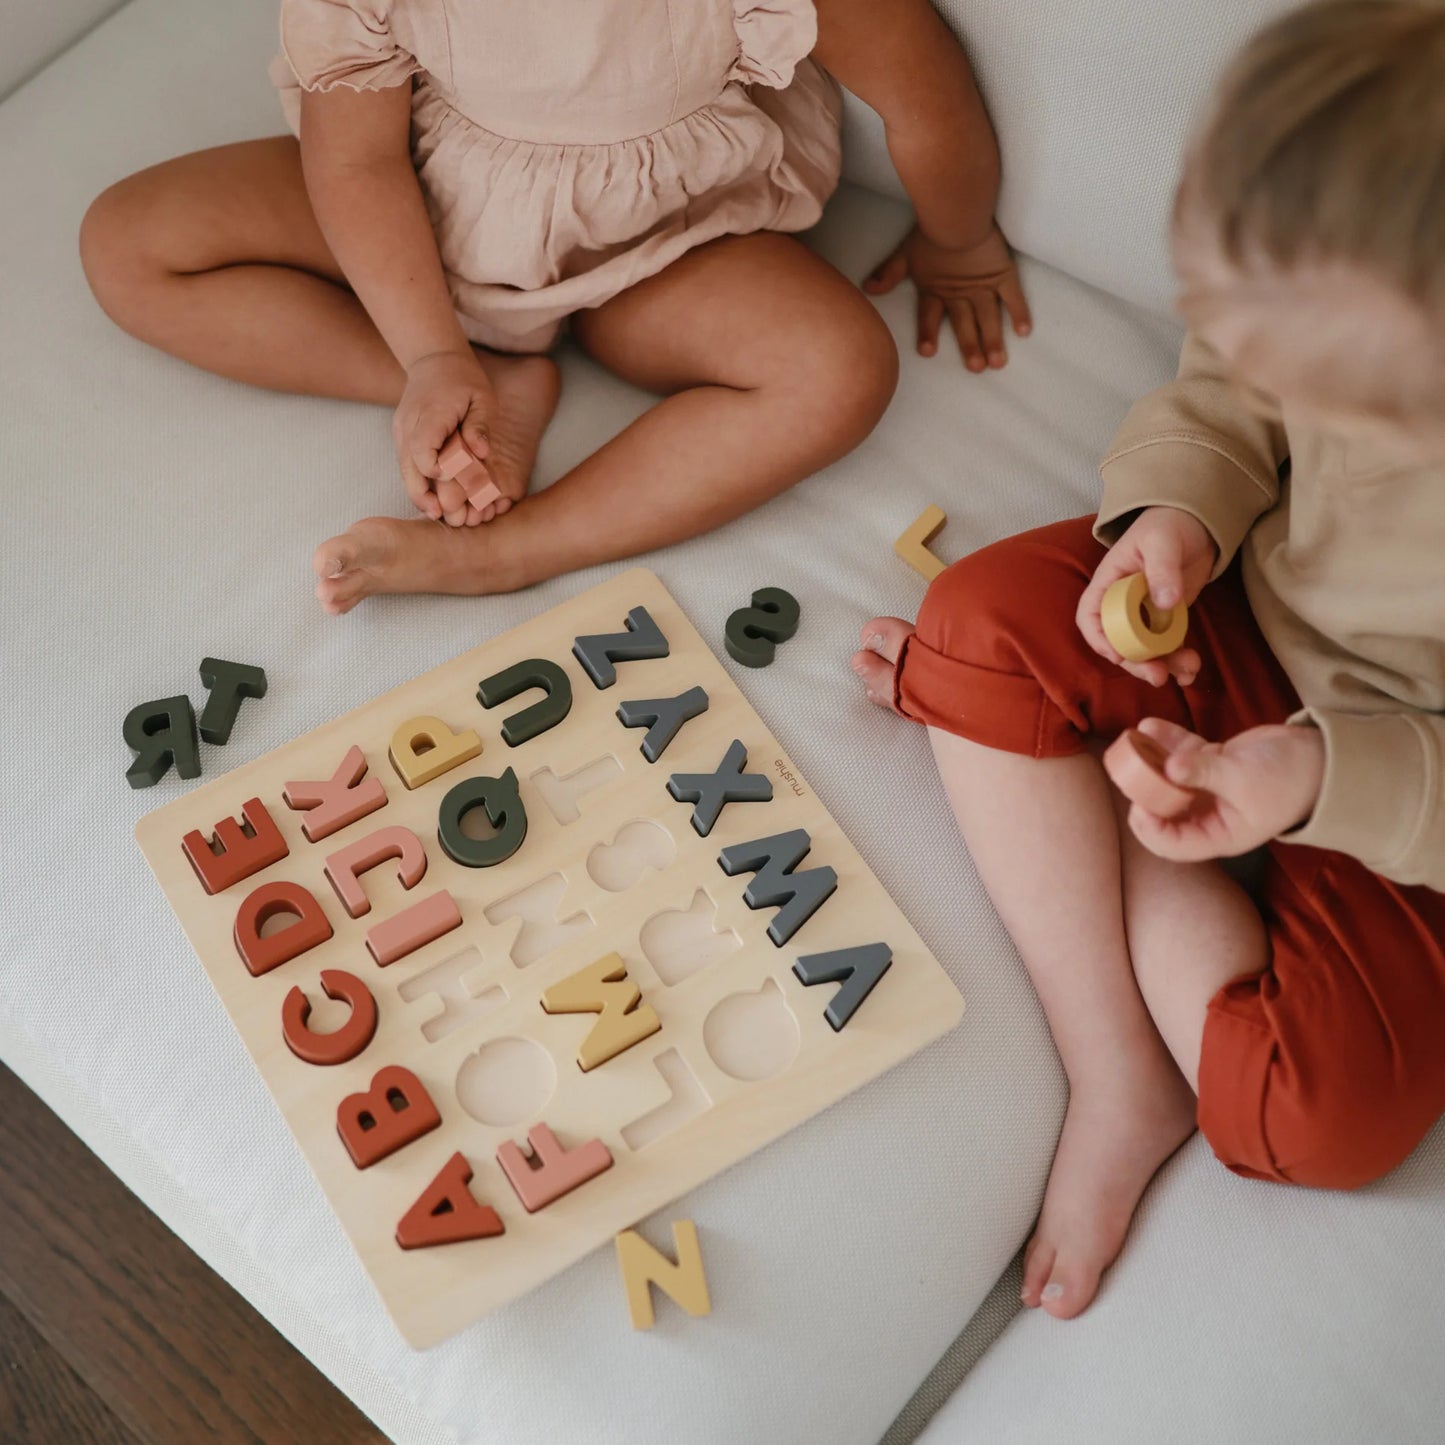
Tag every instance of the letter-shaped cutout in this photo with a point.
(552, 1171)
(245, 848)
(343, 868)
(532, 721)
(752, 633)
(229, 684)
(604, 988)
(419, 925)
(395, 1110)
(447, 1212)
(712, 792)
(261, 955)
(796, 896)
(340, 1045)
(336, 802)
(161, 733)
(444, 750)
(502, 800)
(597, 654)
(858, 969)
(643, 1266)
(663, 718)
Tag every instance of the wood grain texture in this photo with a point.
(116, 1306)
(42, 1400)
(749, 1033)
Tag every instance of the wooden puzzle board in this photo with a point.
(744, 1052)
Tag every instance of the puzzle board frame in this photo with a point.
(433, 1292)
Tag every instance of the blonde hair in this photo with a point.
(1326, 144)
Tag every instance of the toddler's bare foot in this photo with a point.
(526, 390)
(1115, 1137)
(883, 640)
(381, 554)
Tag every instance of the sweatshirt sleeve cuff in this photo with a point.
(1380, 799)
(1194, 474)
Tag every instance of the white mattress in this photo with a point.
(153, 515)
(1239, 1312)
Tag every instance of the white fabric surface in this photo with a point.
(153, 515)
(1240, 1312)
(1093, 101)
(33, 31)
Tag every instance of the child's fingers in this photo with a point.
(1163, 557)
(1182, 840)
(1183, 665)
(1170, 736)
(419, 489)
(1011, 293)
(990, 327)
(965, 327)
(474, 432)
(1208, 768)
(887, 275)
(1119, 561)
(453, 500)
(930, 318)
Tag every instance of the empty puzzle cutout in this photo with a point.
(752, 1035)
(623, 863)
(687, 1100)
(563, 796)
(506, 1081)
(680, 942)
(542, 930)
(461, 999)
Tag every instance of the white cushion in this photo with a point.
(1239, 1311)
(153, 515)
(36, 30)
(1093, 101)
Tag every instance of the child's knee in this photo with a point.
(1025, 585)
(852, 369)
(110, 245)
(1348, 1128)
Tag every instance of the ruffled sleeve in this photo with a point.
(773, 37)
(344, 42)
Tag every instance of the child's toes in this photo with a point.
(1068, 1291)
(334, 558)
(877, 677)
(886, 636)
(1039, 1261)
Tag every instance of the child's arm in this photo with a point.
(901, 59)
(356, 158)
(1190, 471)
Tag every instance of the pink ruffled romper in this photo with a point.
(568, 149)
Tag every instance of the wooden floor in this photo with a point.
(113, 1333)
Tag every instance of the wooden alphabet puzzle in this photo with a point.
(534, 944)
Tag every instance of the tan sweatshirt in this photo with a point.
(1344, 566)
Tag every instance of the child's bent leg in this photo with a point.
(1326, 1069)
(216, 258)
(997, 657)
(1192, 929)
(773, 365)
(1044, 837)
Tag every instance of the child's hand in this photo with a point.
(1252, 788)
(444, 392)
(1176, 554)
(972, 284)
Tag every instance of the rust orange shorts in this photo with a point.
(1328, 1067)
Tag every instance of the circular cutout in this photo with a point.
(506, 1081)
(752, 1036)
